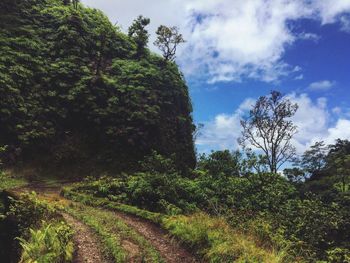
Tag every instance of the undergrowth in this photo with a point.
(51, 243)
(44, 236)
(8, 181)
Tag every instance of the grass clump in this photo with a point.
(216, 241)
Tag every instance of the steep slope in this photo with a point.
(74, 87)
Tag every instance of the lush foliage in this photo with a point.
(74, 87)
(44, 236)
(28, 211)
(264, 206)
(50, 244)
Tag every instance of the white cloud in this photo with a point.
(313, 120)
(222, 132)
(309, 36)
(345, 23)
(322, 85)
(228, 40)
(331, 11)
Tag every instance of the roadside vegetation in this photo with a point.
(265, 216)
(39, 233)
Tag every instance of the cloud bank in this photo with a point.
(228, 40)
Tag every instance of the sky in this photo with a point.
(236, 51)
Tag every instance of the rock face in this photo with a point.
(74, 87)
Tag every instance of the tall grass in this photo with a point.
(216, 241)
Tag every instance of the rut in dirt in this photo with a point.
(86, 243)
(169, 249)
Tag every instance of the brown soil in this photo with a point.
(86, 243)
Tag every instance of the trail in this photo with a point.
(169, 249)
(88, 245)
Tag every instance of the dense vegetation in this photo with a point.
(302, 223)
(78, 93)
(74, 87)
(33, 231)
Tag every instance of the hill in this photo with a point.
(76, 90)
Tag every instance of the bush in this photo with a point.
(317, 225)
(49, 244)
(28, 212)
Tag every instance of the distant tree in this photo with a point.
(168, 38)
(314, 159)
(338, 162)
(197, 131)
(66, 2)
(75, 3)
(343, 171)
(221, 162)
(254, 163)
(294, 175)
(270, 129)
(138, 32)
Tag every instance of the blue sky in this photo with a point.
(237, 51)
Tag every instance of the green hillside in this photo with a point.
(76, 89)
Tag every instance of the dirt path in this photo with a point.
(86, 243)
(169, 249)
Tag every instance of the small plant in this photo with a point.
(49, 244)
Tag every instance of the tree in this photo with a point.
(294, 175)
(168, 38)
(138, 32)
(343, 171)
(75, 3)
(270, 129)
(314, 159)
(221, 162)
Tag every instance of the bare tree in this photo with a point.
(270, 129)
(168, 38)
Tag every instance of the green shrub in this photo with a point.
(28, 212)
(52, 243)
(7, 181)
(317, 225)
